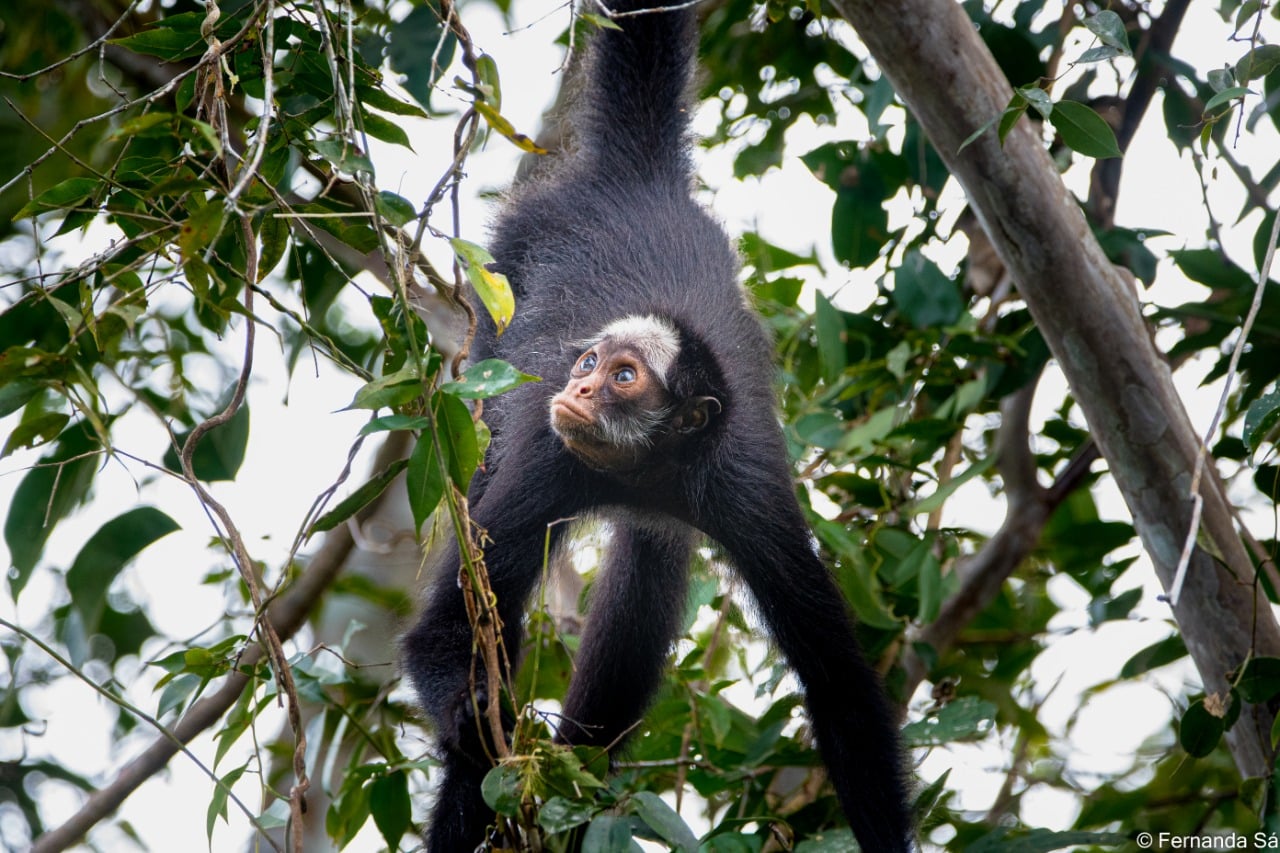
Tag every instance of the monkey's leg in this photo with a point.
(769, 542)
(517, 506)
(635, 611)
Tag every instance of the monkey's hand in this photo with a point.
(465, 729)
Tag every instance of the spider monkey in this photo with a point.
(656, 412)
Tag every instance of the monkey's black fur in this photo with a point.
(613, 232)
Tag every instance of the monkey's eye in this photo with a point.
(588, 362)
(626, 375)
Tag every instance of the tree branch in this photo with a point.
(1029, 507)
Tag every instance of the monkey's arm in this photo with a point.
(637, 604)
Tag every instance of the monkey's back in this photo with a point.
(583, 250)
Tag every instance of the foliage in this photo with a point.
(178, 176)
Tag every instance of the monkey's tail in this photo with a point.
(636, 117)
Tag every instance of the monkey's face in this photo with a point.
(614, 408)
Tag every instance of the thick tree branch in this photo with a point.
(931, 53)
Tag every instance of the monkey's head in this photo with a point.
(621, 412)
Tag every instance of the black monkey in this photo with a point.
(656, 412)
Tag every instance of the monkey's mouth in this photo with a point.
(565, 414)
(562, 409)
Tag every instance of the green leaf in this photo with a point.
(607, 834)
(1083, 130)
(839, 840)
(493, 288)
(41, 429)
(600, 21)
(662, 819)
(205, 131)
(425, 480)
(1037, 98)
(348, 814)
(420, 48)
(559, 814)
(502, 789)
(221, 450)
(820, 429)
(863, 178)
(1257, 63)
(1017, 106)
(344, 156)
(1260, 680)
(1224, 96)
(47, 493)
(386, 130)
(1221, 78)
(1109, 29)
(458, 438)
(924, 294)
(490, 86)
(200, 229)
(1155, 655)
(379, 99)
(275, 241)
(139, 125)
(390, 391)
(218, 803)
(865, 436)
(358, 499)
(1101, 53)
(828, 324)
(967, 718)
(106, 554)
(177, 692)
(487, 378)
(171, 39)
(395, 209)
(973, 137)
(390, 806)
(1261, 419)
(1107, 608)
(1199, 732)
(392, 423)
(67, 194)
(562, 772)
(242, 716)
(945, 490)
(928, 587)
(766, 257)
(14, 394)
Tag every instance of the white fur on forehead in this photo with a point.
(655, 338)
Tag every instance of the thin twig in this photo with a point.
(1197, 501)
(119, 700)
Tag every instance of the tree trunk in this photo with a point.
(931, 53)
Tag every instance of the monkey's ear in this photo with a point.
(696, 413)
